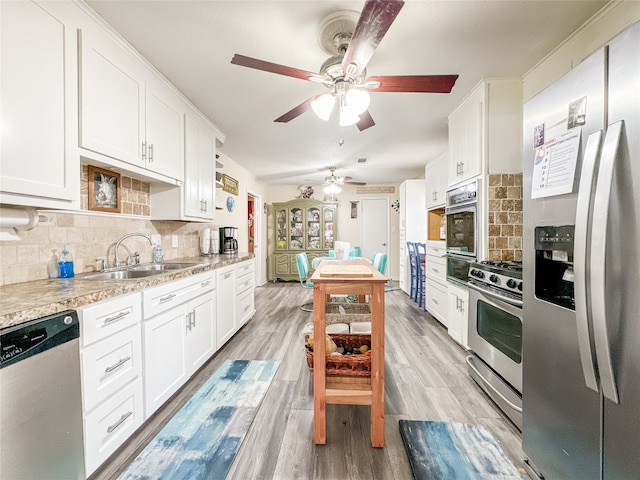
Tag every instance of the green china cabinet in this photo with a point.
(303, 225)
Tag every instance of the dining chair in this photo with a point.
(421, 256)
(379, 261)
(304, 272)
(413, 265)
(332, 253)
(355, 252)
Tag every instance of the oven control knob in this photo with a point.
(511, 283)
(493, 278)
(520, 286)
(479, 273)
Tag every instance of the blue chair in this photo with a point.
(302, 262)
(332, 253)
(421, 256)
(355, 252)
(413, 265)
(379, 261)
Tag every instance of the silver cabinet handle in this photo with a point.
(119, 363)
(116, 317)
(167, 298)
(151, 152)
(581, 235)
(205, 284)
(228, 274)
(144, 150)
(598, 260)
(244, 284)
(435, 301)
(120, 421)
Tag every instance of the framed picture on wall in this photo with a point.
(104, 190)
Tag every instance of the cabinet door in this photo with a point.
(200, 152)
(466, 153)
(111, 99)
(458, 307)
(164, 356)
(164, 113)
(225, 305)
(200, 331)
(207, 175)
(314, 228)
(39, 162)
(435, 175)
(281, 229)
(296, 231)
(328, 216)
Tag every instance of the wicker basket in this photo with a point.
(355, 365)
(354, 312)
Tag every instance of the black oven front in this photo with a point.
(461, 219)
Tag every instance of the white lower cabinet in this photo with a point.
(458, 313)
(437, 301)
(226, 305)
(245, 287)
(177, 341)
(111, 366)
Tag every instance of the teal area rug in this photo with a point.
(454, 451)
(202, 439)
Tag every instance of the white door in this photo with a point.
(374, 228)
(259, 242)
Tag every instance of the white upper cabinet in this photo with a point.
(127, 112)
(485, 131)
(39, 162)
(435, 175)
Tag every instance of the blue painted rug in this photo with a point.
(202, 439)
(454, 451)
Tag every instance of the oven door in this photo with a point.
(495, 335)
(461, 230)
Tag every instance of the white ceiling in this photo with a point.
(192, 43)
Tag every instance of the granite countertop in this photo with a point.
(22, 302)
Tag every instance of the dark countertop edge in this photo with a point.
(60, 294)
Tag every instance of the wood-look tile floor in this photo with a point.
(425, 379)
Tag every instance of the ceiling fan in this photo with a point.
(345, 72)
(331, 184)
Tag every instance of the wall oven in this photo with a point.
(495, 333)
(461, 215)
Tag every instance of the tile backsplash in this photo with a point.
(505, 217)
(90, 237)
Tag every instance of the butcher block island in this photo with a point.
(357, 277)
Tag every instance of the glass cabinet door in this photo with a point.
(313, 228)
(296, 230)
(328, 214)
(281, 229)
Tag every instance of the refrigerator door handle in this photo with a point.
(580, 260)
(598, 260)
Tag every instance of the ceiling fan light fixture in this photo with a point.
(332, 189)
(357, 100)
(323, 105)
(347, 117)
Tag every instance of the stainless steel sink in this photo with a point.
(163, 266)
(141, 271)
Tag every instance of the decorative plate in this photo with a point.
(230, 203)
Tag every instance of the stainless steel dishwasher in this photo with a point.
(41, 400)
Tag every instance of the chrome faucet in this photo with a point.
(116, 260)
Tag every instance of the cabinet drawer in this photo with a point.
(163, 297)
(244, 268)
(110, 364)
(437, 249)
(244, 283)
(109, 425)
(245, 307)
(436, 268)
(437, 301)
(101, 319)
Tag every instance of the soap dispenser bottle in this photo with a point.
(66, 263)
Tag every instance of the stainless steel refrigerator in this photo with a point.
(581, 325)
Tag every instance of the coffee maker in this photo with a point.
(228, 240)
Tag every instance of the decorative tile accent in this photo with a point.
(505, 217)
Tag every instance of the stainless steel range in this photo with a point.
(495, 333)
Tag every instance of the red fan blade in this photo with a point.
(272, 67)
(414, 83)
(296, 111)
(375, 19)
(366, 121)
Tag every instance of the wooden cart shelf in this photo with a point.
(366, 282)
